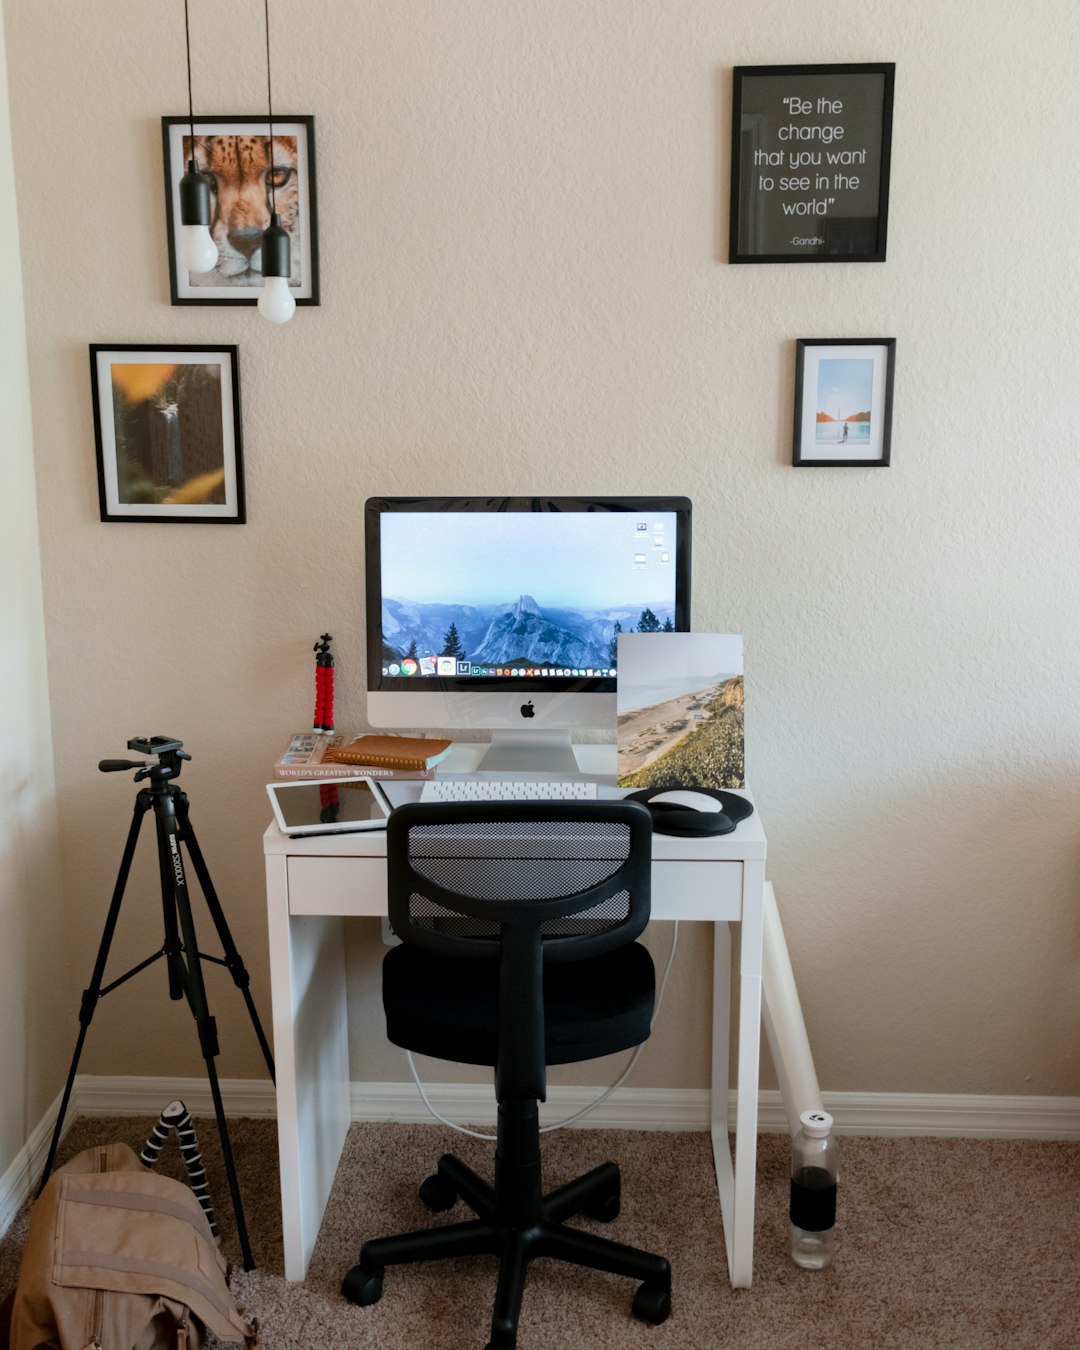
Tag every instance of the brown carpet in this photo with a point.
(940, 1242)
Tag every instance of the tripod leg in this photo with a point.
(93, 992)
(189, 973)
(233, 962)
(173, 945)
(230, 1167)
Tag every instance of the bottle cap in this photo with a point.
(815, 1124)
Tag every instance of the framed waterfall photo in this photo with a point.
(167, 428)
(843, 401)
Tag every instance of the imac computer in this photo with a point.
(501, 614)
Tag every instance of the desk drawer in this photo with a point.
(337, 885)
(681, 889)
(684, 889)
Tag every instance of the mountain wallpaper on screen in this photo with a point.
(518, 630)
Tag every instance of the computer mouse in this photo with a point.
(692, 801)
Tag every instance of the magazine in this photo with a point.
(309, 756)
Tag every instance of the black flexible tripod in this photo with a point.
(180, 949)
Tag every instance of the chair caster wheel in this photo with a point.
(652, 1302)
(363, 1286)
(605, 1208)
(503, 1333)
(437, 1193)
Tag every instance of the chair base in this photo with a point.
(516, 1242)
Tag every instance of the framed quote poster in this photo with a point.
(810, 149)
(843, 401)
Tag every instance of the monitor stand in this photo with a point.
(529, 753)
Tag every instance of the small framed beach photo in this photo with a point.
(843, 402)
(167, 429)
(249, 173)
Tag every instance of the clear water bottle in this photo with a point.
(813, 1191)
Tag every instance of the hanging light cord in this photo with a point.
(270, 110)
(190, 105)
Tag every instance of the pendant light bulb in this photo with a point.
(276, 301)
(198, 252)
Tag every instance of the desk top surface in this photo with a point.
(745, 843)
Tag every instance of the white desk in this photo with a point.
(314, 883)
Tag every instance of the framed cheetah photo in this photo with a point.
(235, 155)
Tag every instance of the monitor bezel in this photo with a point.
(376, 507)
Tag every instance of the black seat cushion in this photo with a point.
(448, 1009)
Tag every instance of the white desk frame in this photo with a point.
(314, 883)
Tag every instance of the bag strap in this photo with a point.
(84, 1255)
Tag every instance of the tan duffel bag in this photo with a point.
(118, 1258)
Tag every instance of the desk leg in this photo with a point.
(307, 976)
(721, 1059)
(736, 1184)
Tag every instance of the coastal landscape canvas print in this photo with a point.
(680, 710)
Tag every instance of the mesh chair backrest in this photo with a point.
(580, 872)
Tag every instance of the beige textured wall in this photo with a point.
(523, 232)
(32, 964)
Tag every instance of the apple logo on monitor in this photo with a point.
(527, 709)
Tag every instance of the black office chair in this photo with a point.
(518, 923)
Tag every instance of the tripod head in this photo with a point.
(170, 759)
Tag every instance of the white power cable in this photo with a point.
(560, 1124)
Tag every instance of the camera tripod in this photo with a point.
(180, 948)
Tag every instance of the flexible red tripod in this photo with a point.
(324, 685)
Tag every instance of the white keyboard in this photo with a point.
(507, 790)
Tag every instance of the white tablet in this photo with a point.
(328, 806)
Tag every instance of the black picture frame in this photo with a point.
(814, 190)
(855, 377)
(233, 281)
(167, 431)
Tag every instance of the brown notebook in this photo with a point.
(394, 752)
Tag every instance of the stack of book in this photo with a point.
(318, 755)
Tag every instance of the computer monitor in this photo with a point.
(501, 614)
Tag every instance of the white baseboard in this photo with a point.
(887, 1114)
(947, 1115)
(146, 1096)
(953, 1115)
(29, 1163)
(92, 1096)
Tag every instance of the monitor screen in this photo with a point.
(506, 611)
